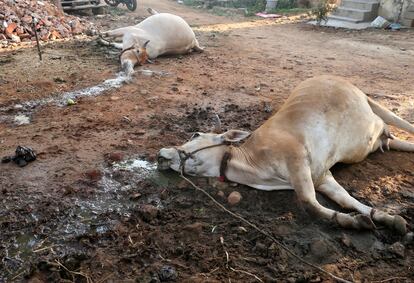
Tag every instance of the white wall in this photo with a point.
(391, 9)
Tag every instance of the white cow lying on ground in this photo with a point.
(324, 121)
(159, 34)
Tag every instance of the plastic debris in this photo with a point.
(395, 26)
(380, 22)
(70, 102)
(266, 16)
(23, 155)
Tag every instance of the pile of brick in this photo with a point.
(19, 18)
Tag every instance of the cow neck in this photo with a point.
(126, 49)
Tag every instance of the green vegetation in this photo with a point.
(192, 2)
(259, 6)
(284, 7)
(321, 11)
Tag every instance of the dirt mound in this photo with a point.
(19, 19)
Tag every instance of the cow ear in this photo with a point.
(234, 135)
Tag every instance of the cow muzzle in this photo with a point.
(166, 158)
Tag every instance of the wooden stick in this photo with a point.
(37, 39)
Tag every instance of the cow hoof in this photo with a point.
(400, 225)
(365, 222)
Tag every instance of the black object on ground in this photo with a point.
(23, 155)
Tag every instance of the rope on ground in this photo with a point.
(339, 279)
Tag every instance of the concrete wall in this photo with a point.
(391, 9)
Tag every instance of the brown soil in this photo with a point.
(71, 215)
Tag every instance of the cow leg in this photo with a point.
(400, 145)
(197, 47)
(119, 32)
(109, 43)
(301, 180)
(337, 193)
(152, 11)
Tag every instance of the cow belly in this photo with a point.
(173, 34)
(357, 148)
(271, 187)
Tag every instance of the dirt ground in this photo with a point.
(84, 211)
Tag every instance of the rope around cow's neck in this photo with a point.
(339, 279)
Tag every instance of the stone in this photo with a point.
(346, 240)
(15, 38)
(26, 19)
(408, 238)
(319, 248)
(10, 28)
(59, 80)
(398, 249)
(94, 174)
(115, 156)
(234, 198)
(196, 228)
(182, 184)
(135, 196)
(167, 273)
(148, 212)
(260, 249)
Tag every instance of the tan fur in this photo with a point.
(324, 121)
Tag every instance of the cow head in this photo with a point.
(201, 155)
(132, 56)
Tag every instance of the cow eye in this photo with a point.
(195, 135)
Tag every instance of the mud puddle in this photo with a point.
(116, 197)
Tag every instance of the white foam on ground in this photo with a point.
(135, 164)
(117, 82)
(28, 107)
(21, 120)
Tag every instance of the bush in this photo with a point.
(321, 11)
(286, 4)
(259, 6)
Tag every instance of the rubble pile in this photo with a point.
(18, 18)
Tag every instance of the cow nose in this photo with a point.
(161, 158)
(163, 161)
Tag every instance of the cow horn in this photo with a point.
(145, 44)
(217, 124)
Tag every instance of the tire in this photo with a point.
(112, 3)
(131, 4)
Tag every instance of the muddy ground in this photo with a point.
(92, 207)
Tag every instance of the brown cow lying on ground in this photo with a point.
(324, 121)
